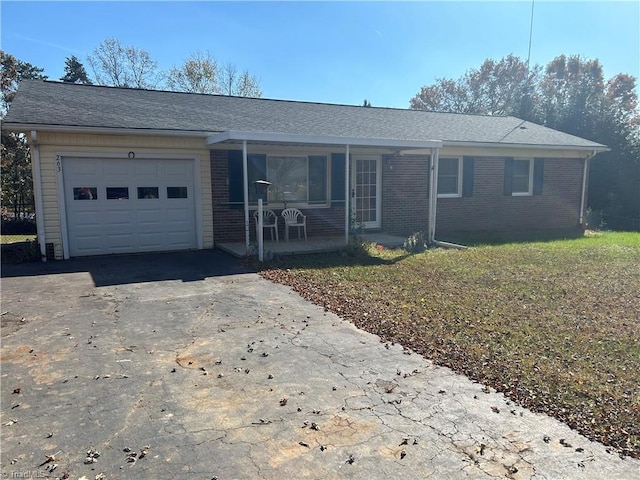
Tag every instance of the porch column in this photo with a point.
(347, 196)
(245, 189)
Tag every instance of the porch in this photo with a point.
(314, 244)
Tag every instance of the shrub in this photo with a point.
(20, 252)
(416, 242)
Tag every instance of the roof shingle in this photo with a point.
(45, 103)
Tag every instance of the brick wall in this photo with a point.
(405, 194)
(228, 221)
(488, 210)
(405, 198)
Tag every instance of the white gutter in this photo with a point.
(319, 140)
(25, 127)
(585, 170)
(592, 148)
(245, 182)
(37, 194)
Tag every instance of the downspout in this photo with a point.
(37, 193)
(245, 183)
(583, 195)
(347, 196)
(433, 204)
(434, 193)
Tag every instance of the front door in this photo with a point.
(365, 191)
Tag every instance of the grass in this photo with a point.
(554, 325)
(4, 239)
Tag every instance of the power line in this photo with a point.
(530, 34)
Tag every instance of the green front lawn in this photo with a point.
(16, 238)
(553, 325)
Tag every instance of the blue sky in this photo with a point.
(337, 52)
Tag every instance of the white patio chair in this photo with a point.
(294, 218)
(269, 220)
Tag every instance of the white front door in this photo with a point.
(365, 191)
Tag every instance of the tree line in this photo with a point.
(112, 64)
(569, 94)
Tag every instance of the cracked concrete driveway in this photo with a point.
(189, 366)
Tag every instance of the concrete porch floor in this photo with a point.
(312, 245)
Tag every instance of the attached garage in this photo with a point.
(127, 205)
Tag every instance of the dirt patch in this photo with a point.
(10, 323)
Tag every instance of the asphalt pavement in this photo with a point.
(191, 366)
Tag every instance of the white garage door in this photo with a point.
(126, 206)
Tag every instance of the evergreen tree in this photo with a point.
(15, 176)
(74, 72)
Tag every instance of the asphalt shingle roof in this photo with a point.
(61, 104)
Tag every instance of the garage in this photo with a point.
(125, 205)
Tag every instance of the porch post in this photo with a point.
(245, 189)
(347, 196)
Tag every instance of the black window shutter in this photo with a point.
(256, 170)
(538, 176)
(508, 176)
(467, 176)
(337, 179)
(234, 166)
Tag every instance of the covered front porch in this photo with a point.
(336, 182)
(318, 244)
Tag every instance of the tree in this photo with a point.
(570, 95)
(201, 73)
(15, 176)
(116, 65)
(238, 84)
(74, 71)
(14, 70)
(496, 88)
(197, 74)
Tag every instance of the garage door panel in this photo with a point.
(116, 168)
(147, 167)
(151, 217)
(118, 218)
(89, 244)
(177, 240)
(139, 216)
(88, 218)
(150, 240)
(120, 240)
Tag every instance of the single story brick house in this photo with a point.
(121, 170)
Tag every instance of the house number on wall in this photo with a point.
(58, 164)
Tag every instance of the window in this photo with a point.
(176, 192)
(85, 193)
(148, 193)
(288, 177)
(117, 193)
(522, 177)
(294, 179)
(449, 177)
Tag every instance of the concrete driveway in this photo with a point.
(189, 366)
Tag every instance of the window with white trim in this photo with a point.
(297, 179)
(449, 177)
(522, 177)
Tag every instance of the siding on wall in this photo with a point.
(52, 144)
